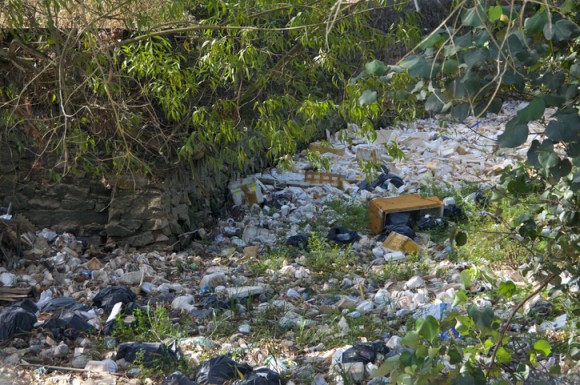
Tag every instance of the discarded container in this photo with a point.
(315, 177)
(381, 208)
(246, 190)
(327, 148)
(398, 242)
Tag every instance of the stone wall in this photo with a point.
(77, 204)
(127, 209)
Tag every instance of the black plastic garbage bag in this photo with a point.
(364, 352)
(478, 198)
(393, 179)
(68, 325)
(453, 212)
(342, 235)
(298, 240)
(261, 376)
(218, 370)
(108, 297)
(15, 319)
(400, 229)
(428, 222)
(148, 354)
(60, 304)
(399, 219)
(383, 180)
(178, 378)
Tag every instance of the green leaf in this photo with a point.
(494, 13)
(474, 17)
(454, 356)
(434, 103)
(390, 364)
(450, 66)
(543, 347)
(405, 379)
(460, 111)
(482, 317)
(503, 356)
(367, 97)
(536, 23)
(566, 128)
(533, 111)
(554, 80)
(376, 68)
(466, 277)
(428, 328)
(515, 134)
(463, 41)
(416, 65)
(547, 146)
(411, 339)
(561, 30)
(461, 238)
(475, 56)
(460, 298)
(561, 170)
(432, 41)
(507, 289)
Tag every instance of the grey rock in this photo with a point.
(61, 350)
(183, 303)
(131, 278)
(213, 280)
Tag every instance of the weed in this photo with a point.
(327, 259)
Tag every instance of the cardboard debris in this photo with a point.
(398, 242)
(246, 190)
(368, 154)
(12, 294)
(327, 148)
(380, 208)
(315, 177)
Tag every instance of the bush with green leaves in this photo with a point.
(119, 86)
(485, 53)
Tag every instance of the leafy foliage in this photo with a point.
(484, 54)
(223, 81)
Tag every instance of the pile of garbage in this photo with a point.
(77, 306)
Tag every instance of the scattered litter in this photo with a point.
(17, 318)
(177, 378)
(219, 370)
(299, 240)
(148, 354)
(109, 296)
(399, 229)
(398, 242)
(342, 235)
(381, 208)
(247, 190)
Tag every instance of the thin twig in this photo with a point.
(509, 320)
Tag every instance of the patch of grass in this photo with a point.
(146, 326)
(355, 216)
(326, 258)
(273, 259)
